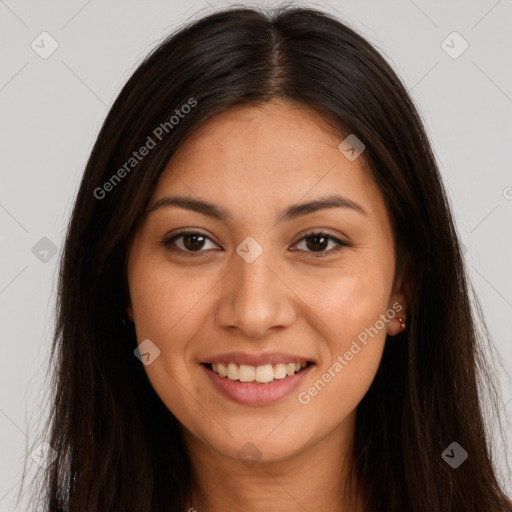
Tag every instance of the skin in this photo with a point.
(254, 162)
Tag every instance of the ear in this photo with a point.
(397, 314)
(398, 306)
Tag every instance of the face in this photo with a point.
(260, 285)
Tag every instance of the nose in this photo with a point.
(255, 298)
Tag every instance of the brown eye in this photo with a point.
(317, 242)
(193, 242)
(188, 242)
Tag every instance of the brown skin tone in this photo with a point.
(297, 297)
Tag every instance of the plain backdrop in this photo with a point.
(52, 106)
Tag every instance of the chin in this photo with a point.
(266, 445)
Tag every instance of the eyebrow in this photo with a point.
(292, 212)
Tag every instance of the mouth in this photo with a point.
(256, 385)
(262, 374)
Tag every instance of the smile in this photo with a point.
(262, 374)
(256, 385)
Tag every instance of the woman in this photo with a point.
(263, 303)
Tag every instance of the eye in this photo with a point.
(318, 241)
(192, 242)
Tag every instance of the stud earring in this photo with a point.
(402, 322)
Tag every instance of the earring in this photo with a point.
(402, 322)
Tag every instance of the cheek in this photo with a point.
(167, 310)
(164, 300)
(354, 334)
(349, 300)
(346, 308)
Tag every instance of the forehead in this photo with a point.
(248, 157)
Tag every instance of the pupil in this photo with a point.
(195, 237)
(317, 243)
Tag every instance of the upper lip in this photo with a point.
(245, 358)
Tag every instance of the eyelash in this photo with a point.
(168, 243)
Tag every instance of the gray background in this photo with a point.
(51, 111)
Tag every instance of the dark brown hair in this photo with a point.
(119, 447)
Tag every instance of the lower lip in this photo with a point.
(248, 393)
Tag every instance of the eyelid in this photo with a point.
(319, 231)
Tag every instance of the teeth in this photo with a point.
(265, 373)
(279, 371)
(223, 371)
(246, 373)
(232, 371)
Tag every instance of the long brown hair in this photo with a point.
(119, 447)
